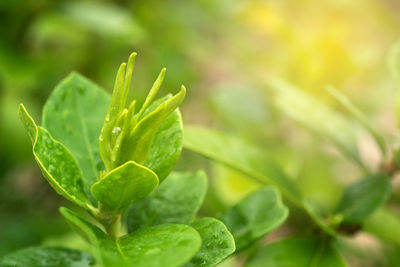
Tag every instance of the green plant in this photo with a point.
(363, 206)
(127, 168)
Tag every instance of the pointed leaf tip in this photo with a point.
(28, 122)
(153, 91)
(131, 61)
(66, 179)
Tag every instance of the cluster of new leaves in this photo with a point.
(118, 176)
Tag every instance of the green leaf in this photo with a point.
(152, 93)
(137, 145)
(115, 110)
(167, 144)
(47, 257)
(92, 234)
(296, 252)
(316, 116)
(241, 156)
(217, 243)
(58, 165)
(176, 200)
(74, 114)
(357, 114)
(362, 198)
(255, 216)
(87, 230)
(167, 245)
(125, 185)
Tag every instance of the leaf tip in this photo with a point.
(27, 121)
(182, 92)
(131, 60)
(122, 66)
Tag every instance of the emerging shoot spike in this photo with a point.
(153, 91)
(128, 77)
(112, 116)
(126, 136)
(131, 115)
(117, 92)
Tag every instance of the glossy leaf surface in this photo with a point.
(167, 245)
(217, 243)
(58, 165)
(124, 185)
(167, 143)
(74, 114)
(255, 216)
(176, 200)
(47, 257)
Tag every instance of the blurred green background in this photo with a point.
(222, 51)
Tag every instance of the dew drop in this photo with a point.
(116, 131)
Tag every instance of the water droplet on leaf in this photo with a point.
(116, 131)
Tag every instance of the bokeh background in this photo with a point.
(222, 51)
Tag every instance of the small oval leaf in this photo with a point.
(255, 216)
(217, 243)
(362, 198)
(125, 185)
(168, 245)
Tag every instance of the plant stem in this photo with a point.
(114, 229)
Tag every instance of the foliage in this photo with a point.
(361, 206)
(138, 150)
(47, 257)
(285, 132)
